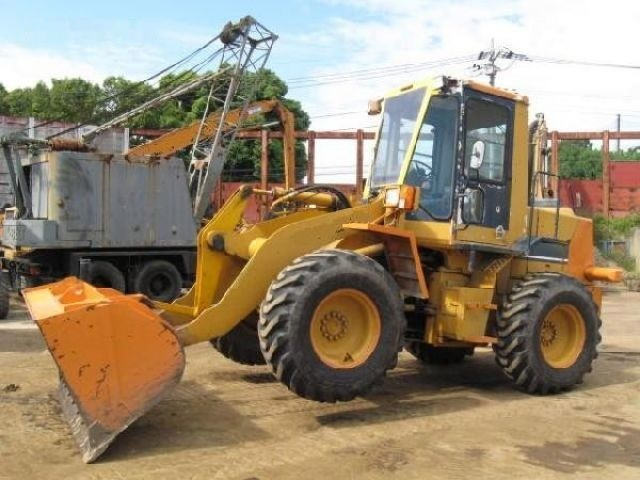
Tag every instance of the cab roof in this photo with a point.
(441, 81)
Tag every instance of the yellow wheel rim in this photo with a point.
(562, 336)
(345, 328)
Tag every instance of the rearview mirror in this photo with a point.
(472, 206)
(375, 106)
(477, 155)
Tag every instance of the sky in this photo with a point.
(329, 39)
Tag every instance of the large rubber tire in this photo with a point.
(522, 333)
(158, 280)
(4, 297)
(293, 303)
(106, 275)
(437, 355)
(242, 344)
(25, 281)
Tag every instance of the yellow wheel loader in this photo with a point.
(455, 245)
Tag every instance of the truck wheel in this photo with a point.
(548, 333)
(159, 280)
(106, 275)
(241, 344)
(437, 355)
(25, 281)
(331, 325)
(4, 297)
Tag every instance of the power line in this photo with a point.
(336, 114)
(564, 61)
(368, 74)
(349, 79)
(124, 93)
(559, 93)
(569, 108)
(488, 61)
(370, 70)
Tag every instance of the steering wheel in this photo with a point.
(420, 171)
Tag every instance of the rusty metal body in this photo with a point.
(92, 200)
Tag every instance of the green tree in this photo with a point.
(41, 101)
(4, 108)
(120, 95)
(74, 100)
(79, 101)
(578, 159)
(244, 161)
(629, 155)
(19, 102)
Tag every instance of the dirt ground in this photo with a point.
(229, 421)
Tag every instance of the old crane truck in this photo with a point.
(135, 215)
(450, 249)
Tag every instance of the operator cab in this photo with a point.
(453, 141)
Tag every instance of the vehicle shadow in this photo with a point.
(613, 440)
(194, 416)
(191, 417)
(416, 390)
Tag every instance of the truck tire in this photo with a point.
(548, 332)
(4, 297)
(241, 344)
(437, 355)
(106, 275)
(331, 325)
(159, 280)
(25, 281)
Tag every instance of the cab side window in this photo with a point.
(487, 123)
(487, 160)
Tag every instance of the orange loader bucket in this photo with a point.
(117, 357)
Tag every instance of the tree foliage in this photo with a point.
(3, 100)
(80, 101)
(614, 228)
(579, 159)
(630, 155)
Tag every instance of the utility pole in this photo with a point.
(487, 61)
(492, 69)
(618, 126)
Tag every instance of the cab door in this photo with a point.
(488, 130)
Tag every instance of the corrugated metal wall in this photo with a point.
(586, 196)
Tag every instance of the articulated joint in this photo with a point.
(215, 241)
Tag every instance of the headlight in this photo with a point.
(392, 197)
(402, 197)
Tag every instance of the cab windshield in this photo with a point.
(394, 139)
